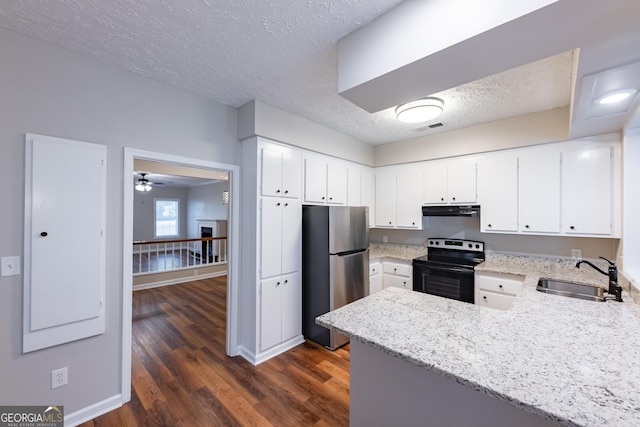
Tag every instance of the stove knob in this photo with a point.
(437, 243)
(470, 246)
(477, 246)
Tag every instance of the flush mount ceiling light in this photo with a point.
(143, 183)
(420, 111)
(617, 96)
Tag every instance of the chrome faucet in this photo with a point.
(614, 287)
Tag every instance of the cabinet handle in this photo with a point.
(44, 234)
(389, 222)
(286, 204)
(484, 297)
(413, 223)
(500, 286)
(286, 191)
(453, 198)
(526, 226)
(489, 225)
(394, 269)
(286, 281)
(572, 227)
(277, 283)
(278, 204)
(330, 198)
(278, 191)
(442, 199)
(374, 269)
(322, 197)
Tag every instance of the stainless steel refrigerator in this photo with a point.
(335, 265)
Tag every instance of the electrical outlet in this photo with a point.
(385, 239)
(576, 253)
(59, 378)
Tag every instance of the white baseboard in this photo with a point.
(178, 280)
(93, 411)
(256, 359)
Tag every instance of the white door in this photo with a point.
(435, 183)
(498, 193)
(336, 183)
(588, 194)
(271, 237)
(539, 178)
(271, 312)
(65, 221)
(271, 180)
(291, 307)
(461, 182)
(291, 173)
(315, 180)
(408, 197)
(291, 235)
(385, 198)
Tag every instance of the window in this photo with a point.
(167, 216)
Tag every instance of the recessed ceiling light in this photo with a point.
(617, 96)
(420, 111)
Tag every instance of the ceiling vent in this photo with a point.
(435, 125)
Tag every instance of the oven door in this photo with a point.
(444, 280)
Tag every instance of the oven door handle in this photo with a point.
(450, 269)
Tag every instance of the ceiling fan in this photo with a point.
(143, 183)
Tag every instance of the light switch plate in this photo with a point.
(9, 266)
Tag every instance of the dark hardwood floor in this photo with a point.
(182, 377)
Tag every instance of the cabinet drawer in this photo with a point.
(496, 301)
(397, 268)
(374, 268)
(397, 281)
(507, 284)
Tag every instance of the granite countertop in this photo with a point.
(395, 251)
(572, 361)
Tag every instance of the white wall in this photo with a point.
(258, 118)
(529, 129)
(469, 228)
(52, 91)
(144, 212)
(205, 202)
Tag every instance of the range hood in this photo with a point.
(451, 210)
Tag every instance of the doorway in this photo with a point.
(131, 155)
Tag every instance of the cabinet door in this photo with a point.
(385, 198)
(368, 194)
(354, 186)
(336, 183)
(291, 307)
(291, 235)
(408, 192)
(588, 191)
(271, 237)
(539, 181)
(435, 183)
(270, 312)
(498, 193)
(271, 179)
(375, 283)
(397, 281)
(461, 186)
(291, 173)
(315, 180)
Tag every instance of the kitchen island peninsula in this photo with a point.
(419, 359)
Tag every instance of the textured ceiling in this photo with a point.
(282, 52)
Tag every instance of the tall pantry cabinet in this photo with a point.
(271, 246)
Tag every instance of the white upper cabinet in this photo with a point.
(354, 186)
(325, 180)
(398, 197)
(408, 206)
(385, 179)
(588, 191)
(281, 171)
(498, 193)
(450, 182)
(540, 185)
(368, 193)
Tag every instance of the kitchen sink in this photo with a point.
(571, 290)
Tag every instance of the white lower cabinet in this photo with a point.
(497, 290)
(280, 312)
(375, 277)
(397, 274)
